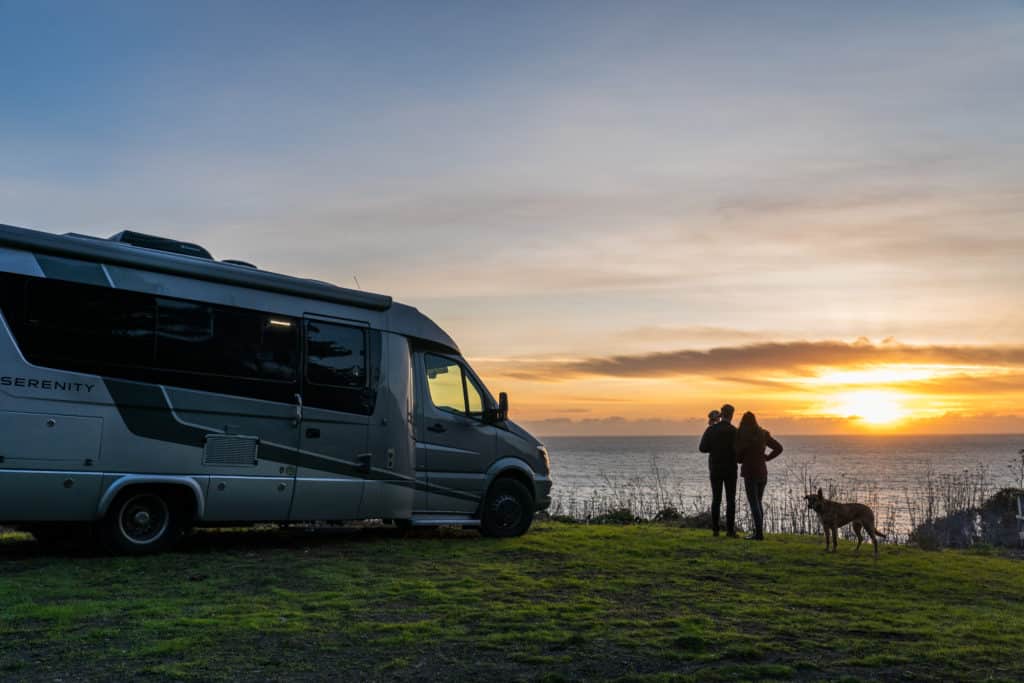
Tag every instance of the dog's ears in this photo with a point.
(820, 494)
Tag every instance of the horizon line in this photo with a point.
(620, 436)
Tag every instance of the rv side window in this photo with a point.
(335, 355)
(474, 399)
(444, 380)
(217, 340)
(136, 336)
(342, 367)
(80, 327)
(451, 388)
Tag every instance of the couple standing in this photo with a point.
(726, 446)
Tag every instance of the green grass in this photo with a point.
(637, 603)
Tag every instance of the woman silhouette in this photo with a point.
(751, 442)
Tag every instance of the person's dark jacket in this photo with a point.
(717, 442)
(751, 454)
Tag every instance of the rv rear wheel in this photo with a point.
(140, 521)
(507, 510)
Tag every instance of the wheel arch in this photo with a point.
(513, 468)
(184, 484)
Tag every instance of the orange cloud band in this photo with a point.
(790, 358)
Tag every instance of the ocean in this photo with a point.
(898, 475)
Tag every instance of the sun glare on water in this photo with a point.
(872, 407)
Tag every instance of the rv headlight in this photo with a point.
(543, 453)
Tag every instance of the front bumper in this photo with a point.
(541, 493)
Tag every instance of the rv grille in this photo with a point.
(231, 449)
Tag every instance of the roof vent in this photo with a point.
(236, 262)
(139, 239)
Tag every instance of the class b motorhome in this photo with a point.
(146, 388)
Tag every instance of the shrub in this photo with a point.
(993, 522)
(925, 537)
(617, 516)
(668, 514)
(546, 516)
(698, 520)
(999, 518)
(958, 530)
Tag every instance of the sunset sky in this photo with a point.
(625, 213)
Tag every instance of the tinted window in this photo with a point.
(217, 340)
(129, 335)
(335, 355)
(342, 367)
(80, 326)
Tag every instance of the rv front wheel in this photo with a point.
(508, 509)
(140, 522)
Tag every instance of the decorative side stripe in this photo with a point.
(147, 412)
(60, 268)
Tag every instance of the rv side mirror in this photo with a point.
(499, 414)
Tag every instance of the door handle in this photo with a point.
(298, 410)
(364, 462)
(437, 428)
(312, 433)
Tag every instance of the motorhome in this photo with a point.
(146, 388)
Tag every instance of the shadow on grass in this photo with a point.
(22, 546)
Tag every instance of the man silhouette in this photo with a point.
(717, 442)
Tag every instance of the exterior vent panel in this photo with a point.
(139, 239)
(231, 450)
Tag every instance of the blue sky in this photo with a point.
(551, 180)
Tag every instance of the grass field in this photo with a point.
(564, 602)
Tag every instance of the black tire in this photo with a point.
(507, 511)
(140, 521)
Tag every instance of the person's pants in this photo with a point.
(729, 484)
(755, 495)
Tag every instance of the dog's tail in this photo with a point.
(879, 533)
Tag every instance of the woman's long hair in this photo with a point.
(749, 433)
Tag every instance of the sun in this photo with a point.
(871, 406)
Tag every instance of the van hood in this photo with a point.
(522, 433)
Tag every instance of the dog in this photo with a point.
(834, 515)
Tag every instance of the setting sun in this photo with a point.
(873, 407)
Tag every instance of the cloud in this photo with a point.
(968, 385)
(793, 357)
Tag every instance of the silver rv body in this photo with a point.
(146, 387)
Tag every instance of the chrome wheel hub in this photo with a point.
(144, 518)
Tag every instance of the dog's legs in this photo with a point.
(860, 539)
(826, 537)
(835, 539)
(874, 541)
(874, 531)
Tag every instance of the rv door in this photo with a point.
(452, 439)
(333, 458)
